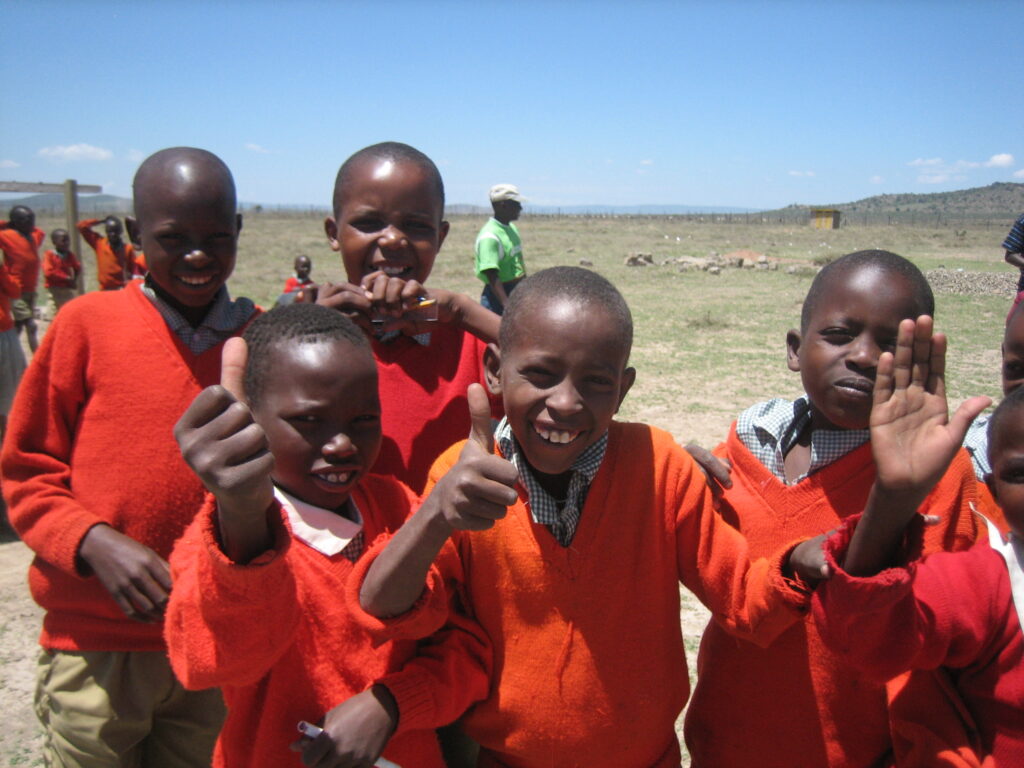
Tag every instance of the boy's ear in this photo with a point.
(331, 229)
(442, 233)
(793, 349)
(131, 225)
(628, 377)
(492, 368)
(238, 223)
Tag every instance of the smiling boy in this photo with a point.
(799, 469)
(260, 573)
(388, 225)
(579, 587)
(96, 485)
(115, 259)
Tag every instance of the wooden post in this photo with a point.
(71, 215)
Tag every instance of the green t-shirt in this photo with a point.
(499, 247)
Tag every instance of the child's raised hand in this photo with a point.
(912, 439)
(479, 489)
(224, 446)
(351, 300)
(136, 577)
(717, 472)
(354, 733)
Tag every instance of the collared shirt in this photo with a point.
(544, 508)
(770, 429)
(223, 319)
(976, 443)
(324, 530)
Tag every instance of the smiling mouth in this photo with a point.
(338, 479)
(860, 386)
(557, 436)
(196, 281)
(394, 270)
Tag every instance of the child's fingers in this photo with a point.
(937, 369)
(903, 355)
(481, 432)
(883, 379)
(232, 367)
(919, 372)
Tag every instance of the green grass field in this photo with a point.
(706, 345)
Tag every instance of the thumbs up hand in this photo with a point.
(224, 446)
(478, 490)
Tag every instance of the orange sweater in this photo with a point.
(794, 702)
(589, 664)
(276, 636)
(10, 288)
(21, 255)
(113, 270)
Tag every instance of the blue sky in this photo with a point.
(757, 104)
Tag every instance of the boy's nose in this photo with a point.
(864, 353)
(564, 398)
(197, 258)
(339, 445)
(391, 237)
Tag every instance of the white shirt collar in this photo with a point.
(322, 529)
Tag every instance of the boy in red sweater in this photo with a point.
(96, 485)
(257, 605)
(579, 587)
(61, 269)
(388, 225)
(799, 469)
(958, 611)
(115, 259)
(20, 239)
(303, 266)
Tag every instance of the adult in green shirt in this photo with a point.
(499, 249)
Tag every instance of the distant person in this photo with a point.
(20, 239)
(12, 358)
(115, 259)
(61, 269)
(96, 486)
(1013, 245)
(499, 249)
(301, 279)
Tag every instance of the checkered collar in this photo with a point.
(544, 508)
(223, 318)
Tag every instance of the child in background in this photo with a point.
(959, 612)
(303, 266)
(115, 259)
(259, 574)
(61, 269)
(96, 485)
(12, 358)
(579, 587)
(20, 239)
(799, 469)
(388, 225)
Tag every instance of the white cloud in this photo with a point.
(876, 180)
(73, 152)
(646, 162)
(801, 173)
(933, 178)
(1004, 160)
(1019, 174)
(257, 148)
(135, 155)
(9, 164)
(921, 161)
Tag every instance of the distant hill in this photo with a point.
(999, 199)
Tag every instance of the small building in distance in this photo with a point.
(825, 218)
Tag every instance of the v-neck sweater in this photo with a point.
(794, 702)
(589, 663)
(90, 440)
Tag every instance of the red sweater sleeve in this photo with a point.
(85, 229)
(9, 283)
(752, 600)
(935, 612)
(227, 623)
(37, 450)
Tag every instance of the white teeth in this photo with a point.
(193, 280)
(340, 479)
(394, 271)
(557, 435)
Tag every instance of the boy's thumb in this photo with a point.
(232, 367)
(481, 432)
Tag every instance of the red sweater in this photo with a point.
(21, 255)
(293, 284)
(954, 610)
(10, 288)
(60, 270)
(589, 664)
(794, 702)
(423, 399)
(89, 441)
(112, 270)
(277, 637)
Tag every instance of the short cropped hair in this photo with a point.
(1006, 410)
(886, 261)
(296, 323)
(388, 150)
(578, 285)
